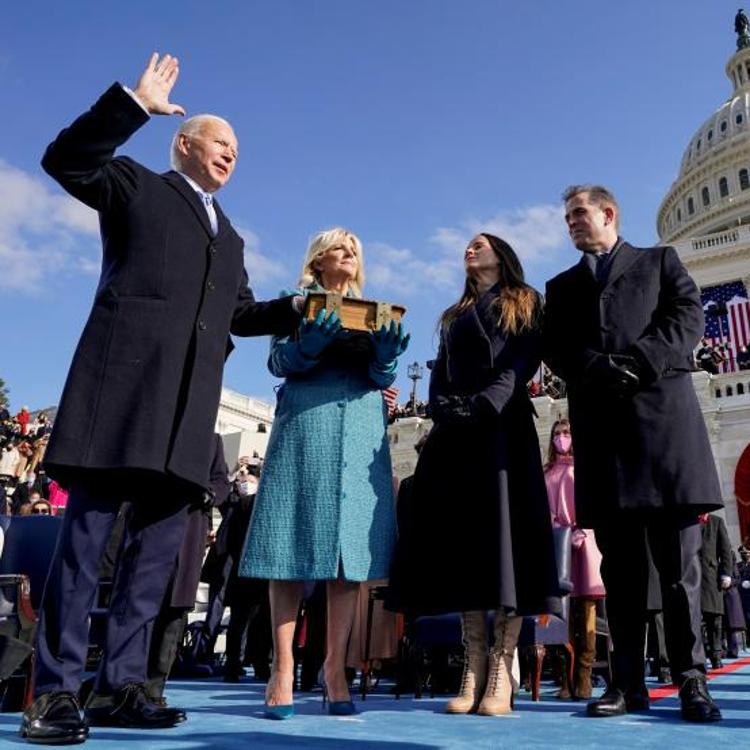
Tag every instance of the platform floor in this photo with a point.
(230, 717)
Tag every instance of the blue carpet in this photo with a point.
(229, 717)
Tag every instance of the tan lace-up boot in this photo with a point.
(474, 636)
(498, 693)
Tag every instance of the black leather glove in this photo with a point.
(454, 410)
(616, 374)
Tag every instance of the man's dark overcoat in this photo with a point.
(477, 533)
(716, 561)
(144, 385)
(190, 558)
(650, 450)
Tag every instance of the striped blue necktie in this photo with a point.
(208, 202)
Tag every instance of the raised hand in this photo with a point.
(156, 83)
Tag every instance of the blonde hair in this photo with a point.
(325, 240)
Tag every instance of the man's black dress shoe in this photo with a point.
(233, 674)
(665, 676)
(614, 702)
(637, 700)
(611, 703)
(132, 708)
(696, 702)
(54, 719)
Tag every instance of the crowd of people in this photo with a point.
(25, 487)
(716, 357)
(473, 531)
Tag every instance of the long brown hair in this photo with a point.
(551, 452)
(518, 306)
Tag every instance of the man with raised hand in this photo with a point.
(136, 418)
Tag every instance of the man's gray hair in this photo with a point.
(191, 126)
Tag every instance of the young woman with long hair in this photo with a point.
(477, 535)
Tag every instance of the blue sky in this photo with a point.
(415, 123)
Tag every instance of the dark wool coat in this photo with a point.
(650, 450)
(190, 559)
(143, 388)
(716, 561)
(477, 533)
(734, 614)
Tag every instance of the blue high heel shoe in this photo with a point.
(285, 711)
(279, 711)
(335, 708)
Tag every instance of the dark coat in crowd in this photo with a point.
(477, 532)
(734, 614)
(650, 450)
(743, 587)
(190, 559)
(716, 561)
(144, 385)
(654, 601)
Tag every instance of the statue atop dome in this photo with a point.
(742, 27)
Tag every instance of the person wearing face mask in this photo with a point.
(476, 535)
(247, 598)
(587, 581)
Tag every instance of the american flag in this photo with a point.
(734, 327)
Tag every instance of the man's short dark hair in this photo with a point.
(597, 194)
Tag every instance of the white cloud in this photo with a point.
(405, 272)
(45, 233)
(532, 231)
(42, 232)
(536, 233)
(260, 268)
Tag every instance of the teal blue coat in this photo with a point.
(325, 505)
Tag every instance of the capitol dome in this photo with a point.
(712, 191)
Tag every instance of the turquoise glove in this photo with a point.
(389, 343)
(315, 335)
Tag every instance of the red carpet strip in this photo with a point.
(664, 692)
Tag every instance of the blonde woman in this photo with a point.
(324, 509)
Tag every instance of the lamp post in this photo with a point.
(414, 372)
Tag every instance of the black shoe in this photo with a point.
(637, 700)
(133, 709)
(54, 719)
(233, 674)
(665, 676)
(612, 703)
(696, 702)
(716, 662)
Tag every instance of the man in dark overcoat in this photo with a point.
(179, 599)
(137, 414)
(716, 577)
(620, 328)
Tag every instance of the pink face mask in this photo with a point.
(562, 443)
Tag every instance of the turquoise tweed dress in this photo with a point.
(325, 506)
